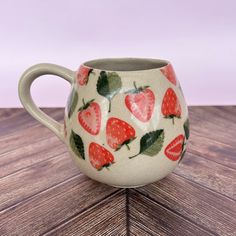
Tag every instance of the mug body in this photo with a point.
(126, 121)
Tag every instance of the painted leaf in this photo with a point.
(182, 155)
(108, 85)
(72, 102)
(77, 144)
(152, 142)
(186, 128)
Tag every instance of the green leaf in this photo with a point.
(182, 155)
(77, 144)
(72, 102)
(108, 85)
(186, 128)
(152, 142)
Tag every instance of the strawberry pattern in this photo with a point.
(169, 73)
(175, 148)
(99, 157)
(119, 133)
(170, 105)
(89, 117)
(82, 75)
(140, 103)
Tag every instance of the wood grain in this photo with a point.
(212, 150)
(17, 121)
(214, 123)
(28, 136)
(52, 207)
(150, 218)
(212, 175)
(5, 113)
(199, 205)
(30, 154)
(108, 217)
(34, 179)
(213, 132)
(43, 193)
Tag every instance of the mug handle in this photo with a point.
(26, 99)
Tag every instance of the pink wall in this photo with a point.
(199, 37)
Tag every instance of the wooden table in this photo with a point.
(43, 193)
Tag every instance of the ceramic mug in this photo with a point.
(126, 119)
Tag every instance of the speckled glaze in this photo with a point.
(125, 128)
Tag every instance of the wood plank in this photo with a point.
(229, 112)
(213, 123)
(226, 113)
(213, 150)
(105, 218)
(213, 133)
(31, 154)
(201, 206)
(214, 176)
(23, 120)
(34, 179)
(6, 113)
(53, 206)
(16, 122)
(24, 137)
(150, 218)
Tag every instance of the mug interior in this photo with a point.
(126, 64)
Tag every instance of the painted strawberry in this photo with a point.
(89, 117)
(140, 101)
(82, 75)
(169, 73)
(119, 133)
(99, 156)
(174, 149)
(170, 105)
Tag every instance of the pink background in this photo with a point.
(198, 37)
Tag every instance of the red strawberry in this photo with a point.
(170, 105)
(99, 156)
(169, 73)
(140, 101)
(174, 149)
(119, 133)
(82, 75)
(89, 117)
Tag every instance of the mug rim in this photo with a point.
(126, 64)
